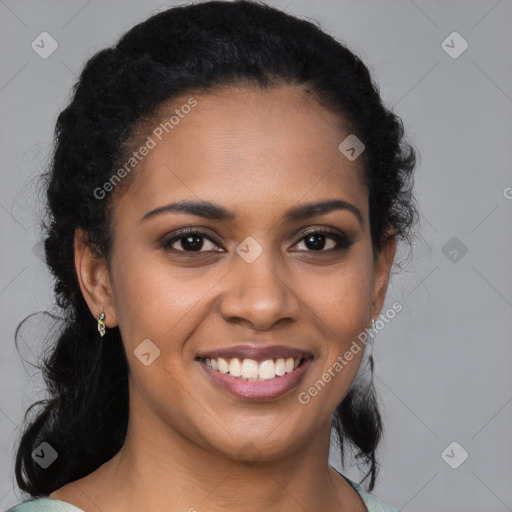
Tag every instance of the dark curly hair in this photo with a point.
(188, 48)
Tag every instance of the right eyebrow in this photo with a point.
(199, 208)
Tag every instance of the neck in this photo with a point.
(160, 469)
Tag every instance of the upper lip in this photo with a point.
(256, 352)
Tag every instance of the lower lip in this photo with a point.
(258, 390)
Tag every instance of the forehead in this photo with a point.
(244, 148)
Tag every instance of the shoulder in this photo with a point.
(44, 505)
(373, 504)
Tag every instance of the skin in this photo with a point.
(189, 445)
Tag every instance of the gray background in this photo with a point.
(443, 364)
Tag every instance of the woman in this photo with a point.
(226, 196)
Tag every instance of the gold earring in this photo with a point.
(101, 324)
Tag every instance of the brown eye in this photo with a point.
(324, 241)
(189, 242)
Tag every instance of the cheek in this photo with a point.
(341, 305)
(154, 300)
(163, 305)
(342, 297)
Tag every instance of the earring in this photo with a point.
(101, 324)
(372, 333)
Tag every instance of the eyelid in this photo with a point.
(319, 229)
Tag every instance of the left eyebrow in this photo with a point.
(212, 211)
(321, 208)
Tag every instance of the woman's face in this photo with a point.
(253, 283)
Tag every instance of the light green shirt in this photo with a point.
(373, 504)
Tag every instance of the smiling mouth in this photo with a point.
(250, 370)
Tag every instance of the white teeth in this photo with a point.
(223, 365)
(280, 367)
(235, 367)
(267, 370)
(250, 369)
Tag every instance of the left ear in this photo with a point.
(381, 273)
(94, 280)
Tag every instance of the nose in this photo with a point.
(260, 294)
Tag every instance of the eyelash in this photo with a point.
(342, 243)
